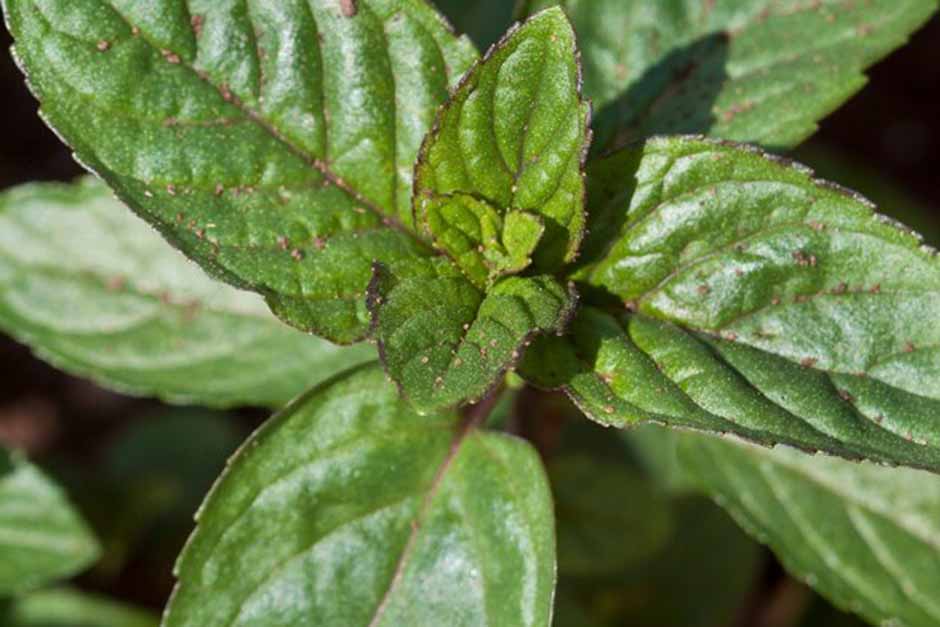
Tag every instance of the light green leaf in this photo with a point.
(444, 341)
(760, 71)
(98, 293)
(70, 608)
(358, 511)
(608, 517)
(272, 142)
(514, 134)
(769, 304)
(42, 537)
(482, 241)
(864, 536)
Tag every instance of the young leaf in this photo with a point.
(864, 536)
(42, 538)
(98, 293)
(70, 608)
(760, 71)
(272, 142)
(515, 134)
(768, 303)
(361, 512)
(444, 341)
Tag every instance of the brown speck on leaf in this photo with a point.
(116, 283)
(458, 362)
(775, 300)
(876, 288)
(841, 288)
(808, 362)
(171, 189)
(738, 272)
(180, 217)
(226, 92)
(135, 31)
(171, 57)
(817, 226)
(909, 347)
(879, 418)
(319, 243)
(200, 233)
(196, 22)
(104, 46)
(439, 381)
(845, 396)
(297, 254)
(703, 289)
(219, 189)
(282, 242)
(347, 7)
(609, 409)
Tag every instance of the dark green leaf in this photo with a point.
(273, 142)
(768, 303)
(350, 509)
(68, 608)
(514, 134)
(42, 537)
(865, 536)
(608, 517)
(760, 71)
(96, 292)
(444, 341)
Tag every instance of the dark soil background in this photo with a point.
(892, 128)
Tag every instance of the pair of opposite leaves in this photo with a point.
(287, 167)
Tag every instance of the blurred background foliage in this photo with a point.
(636, 549)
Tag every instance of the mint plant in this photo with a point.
(571, 211)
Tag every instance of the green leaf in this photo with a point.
(514, 134)
(272, 142)
(96, 292)
(444, 341)
(769, 304)
(358, 511)
(760, 71)
(483, 242)
(864, 536)
(42, 537)
(608, 517)
(70, 608)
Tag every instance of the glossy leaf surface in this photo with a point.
(759, 71)
(360, 512)
(98, 293)
(445, 342)
(768, 303)
(273, 142)
(42, 537)
(864, 536)
(70, 608)
(514, 133)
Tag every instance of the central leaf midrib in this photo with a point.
(466, 428)
(388, 218)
